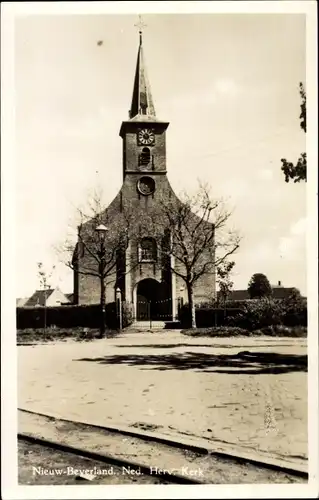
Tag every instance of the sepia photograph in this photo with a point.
(164, 307)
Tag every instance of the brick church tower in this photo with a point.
(144, 274)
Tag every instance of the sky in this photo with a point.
(228, 85)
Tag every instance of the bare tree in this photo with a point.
(44, 278)
(224, 280)
(102, 239)
(199, 240)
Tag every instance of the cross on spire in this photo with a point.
(140, 25)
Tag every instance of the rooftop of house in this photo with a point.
(21, 301)
(69, 296)
(38, 297)
(278, 292)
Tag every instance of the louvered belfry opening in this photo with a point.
(145, 157)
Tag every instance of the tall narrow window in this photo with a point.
(147, 250)
(145, 157)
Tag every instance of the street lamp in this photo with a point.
(181, 299)
(118, 299)
(182, 288)
(101, 231)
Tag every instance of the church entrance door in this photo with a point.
(149, 300)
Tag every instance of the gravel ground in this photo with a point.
(39, 465)
(250, 392)
(138, 453)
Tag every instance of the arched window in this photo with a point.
(147, 250)
(145, 157)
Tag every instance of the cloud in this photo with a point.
(292, 246)
(234, 188)
(287, 247)
(265, 174)
(299, 227)
(259, 253)
(226, 86)
(204, 97)
(190, 102)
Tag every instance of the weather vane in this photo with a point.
(140, 25)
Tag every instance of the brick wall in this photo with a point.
(132, 150)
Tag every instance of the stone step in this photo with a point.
(147, 325)
(154, 325)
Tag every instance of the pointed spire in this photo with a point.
(142, 101)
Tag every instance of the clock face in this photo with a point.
(146, 136)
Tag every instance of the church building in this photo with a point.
(143, 273)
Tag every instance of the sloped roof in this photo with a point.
(38, 298)
(281, 292)
(278, 292)
(142, 101)
(142, 108)
(69, 296)
(145, 119)
(239, 295)
(21, 301)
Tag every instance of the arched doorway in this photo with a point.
(148, 300)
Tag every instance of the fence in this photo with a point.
(150, 313)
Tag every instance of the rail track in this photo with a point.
(66, 465)
(140, 457)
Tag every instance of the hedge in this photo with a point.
(267, 312)
(231, 304)
(251, 314)
(218, 331)
(230, 331)
(69, 316)
(206, 317)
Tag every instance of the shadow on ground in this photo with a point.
(244, 362)
(217, 346)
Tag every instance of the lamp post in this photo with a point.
(119, 307)
(182, 288)
(181, 299)
(101, 231)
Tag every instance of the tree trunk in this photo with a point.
(191, 305)
(102, 304)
